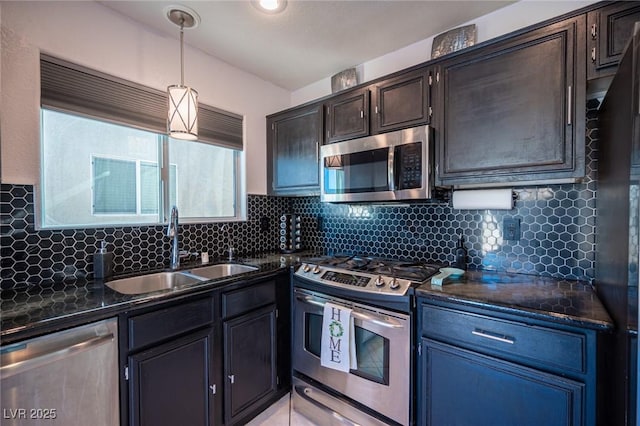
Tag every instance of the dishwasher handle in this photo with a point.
(28, 363)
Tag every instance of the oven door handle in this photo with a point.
(376, 319)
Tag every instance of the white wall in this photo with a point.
(500, 22)
(92, 35)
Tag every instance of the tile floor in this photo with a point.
(278, 415)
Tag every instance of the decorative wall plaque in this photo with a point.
(344, 80)
(453, 40)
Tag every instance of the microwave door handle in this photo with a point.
(365, 317)
(391, 172)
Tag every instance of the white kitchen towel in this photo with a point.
(338, 350)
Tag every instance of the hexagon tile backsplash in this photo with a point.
(30, 257)
(557, 227)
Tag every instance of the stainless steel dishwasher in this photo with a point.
(64, 378)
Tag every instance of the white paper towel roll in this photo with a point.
(481, 199)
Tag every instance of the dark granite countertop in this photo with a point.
(31, 311)
(564, 301)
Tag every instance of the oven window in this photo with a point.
(313, 333)
(358, 172)
(372, 350)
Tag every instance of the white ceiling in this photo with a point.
(310, 40)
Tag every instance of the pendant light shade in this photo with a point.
(183, 112)
(182, 118)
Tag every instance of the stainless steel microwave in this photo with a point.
(386, 167)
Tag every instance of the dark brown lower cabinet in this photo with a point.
(481, 367)
(218, 358)
(250, 362)
(172, 364)
(468, 388)
(169, 384)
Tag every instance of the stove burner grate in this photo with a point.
(412, 271)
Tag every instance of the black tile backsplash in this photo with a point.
(43, 257)
(557, 226)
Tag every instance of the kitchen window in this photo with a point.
(106, 158)
(128, 186)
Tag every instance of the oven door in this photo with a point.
(382, 380)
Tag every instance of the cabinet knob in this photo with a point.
(232, 378)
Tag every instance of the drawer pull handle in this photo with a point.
(492, 336)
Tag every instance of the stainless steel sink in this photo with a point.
(221, 270)
(170, 280)
(153, 282)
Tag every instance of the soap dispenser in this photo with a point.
(102, 263)
(461, 254)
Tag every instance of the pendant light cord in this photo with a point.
(182, 51)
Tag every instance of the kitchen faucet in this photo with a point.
(230, 250)
(172, 232)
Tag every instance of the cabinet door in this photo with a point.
(460, 387)
(250, 362)
(347, 116)
(515, 111)
(401, 102)
(609, 30)
(171, 384)
(293, 145)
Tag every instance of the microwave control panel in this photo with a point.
(409, 165)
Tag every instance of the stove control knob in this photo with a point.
(316, 269)
(305, 268)
(394, 285)
(379, 282)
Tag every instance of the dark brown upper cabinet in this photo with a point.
(514, 111)
(293, 143)
(609, 29)
(347, 115)
(401, 102)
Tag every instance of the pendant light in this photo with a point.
(182, 120)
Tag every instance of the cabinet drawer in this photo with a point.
(538, 346)
(249, 298)
(155, 326)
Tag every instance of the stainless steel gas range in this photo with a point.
(380, 294)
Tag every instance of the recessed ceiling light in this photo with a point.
(270, 6)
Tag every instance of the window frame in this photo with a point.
(239, 192)
(138, 181)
